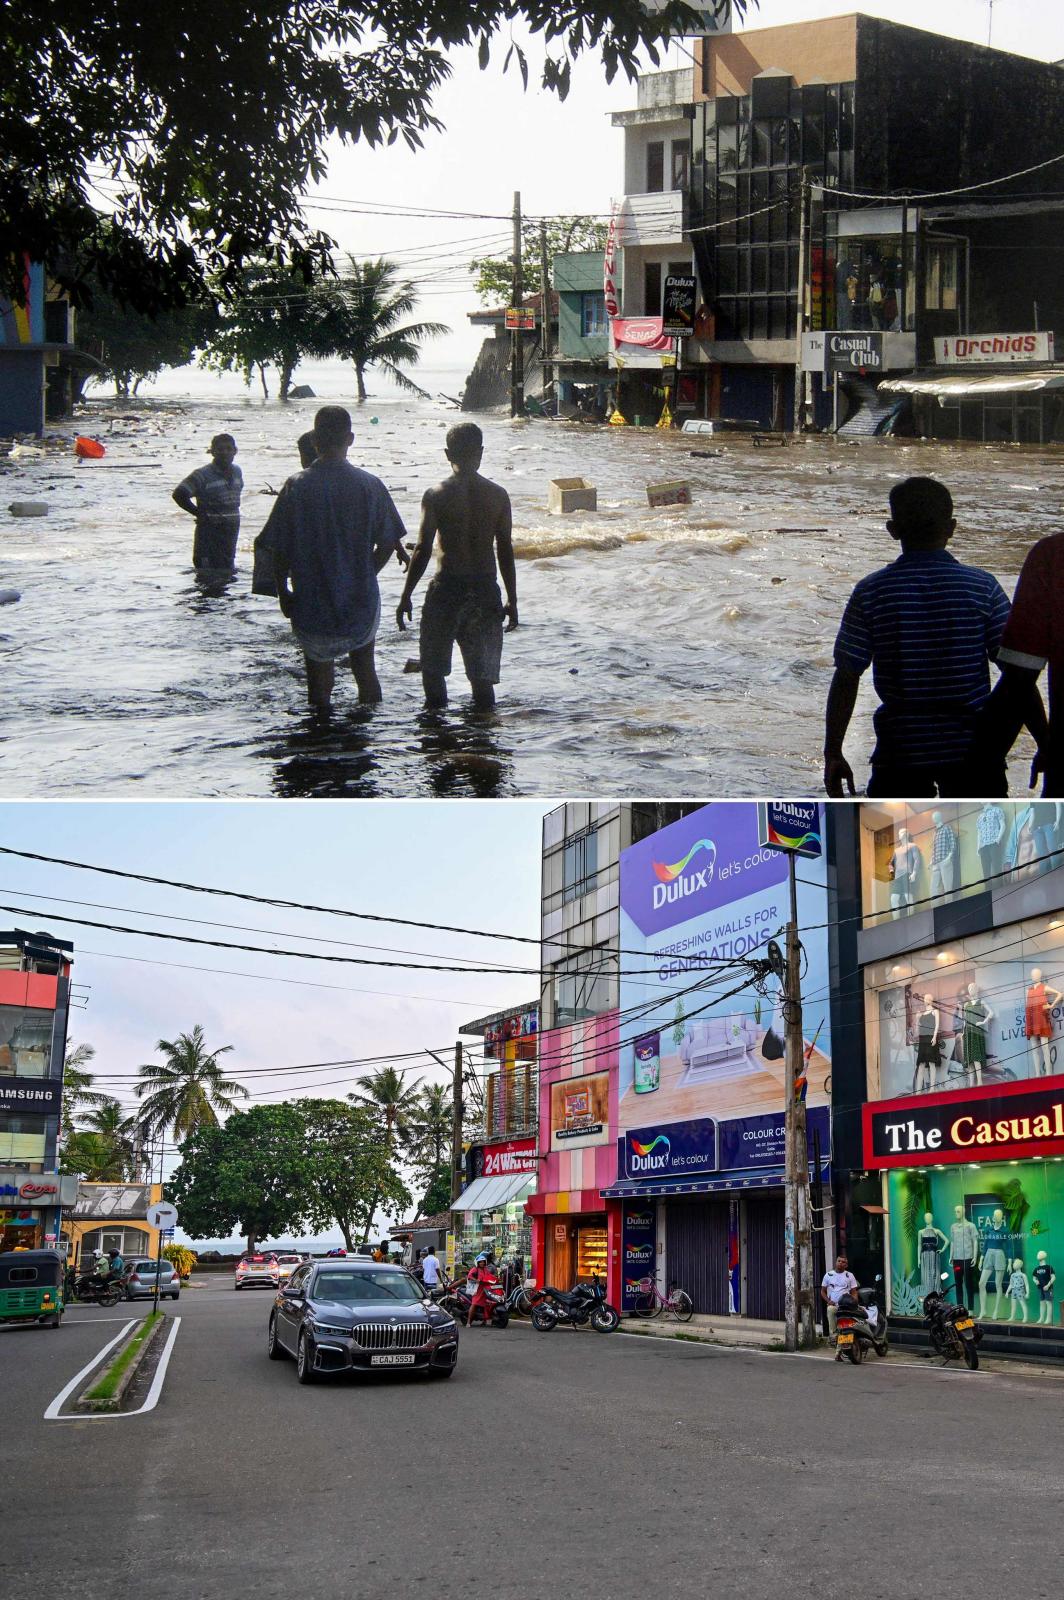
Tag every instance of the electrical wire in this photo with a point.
(941, 194)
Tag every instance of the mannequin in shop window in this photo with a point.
(964, 1255)
(1038, 1021)
(1046, 829)
(1018, 1290)
(1044, 1278)
(1021, 849)
(977, 1017)
(932, 1242)
(996, 1240)
(905, 867)
(943, 857)
(990, 838)
(927, 1056)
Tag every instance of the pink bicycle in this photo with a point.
(651, 1302)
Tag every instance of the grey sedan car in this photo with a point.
(139, 1281)
(359, 1316)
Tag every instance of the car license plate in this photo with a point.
(392, 1361)
(845, 1339)
(967, 1323)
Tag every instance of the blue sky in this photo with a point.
(474, 864)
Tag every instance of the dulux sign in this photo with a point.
(670, 1150)
(749, 1144)
(707, 860)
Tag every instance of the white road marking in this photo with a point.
(52, 1414)
(153, 1393)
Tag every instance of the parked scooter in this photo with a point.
(577, 1307)
(861, 1326)
(953, 1331)
(457, 1299)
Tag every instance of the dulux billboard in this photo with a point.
(702, 892)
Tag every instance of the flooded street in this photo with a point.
(661, 653)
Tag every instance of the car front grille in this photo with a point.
(391, 1335)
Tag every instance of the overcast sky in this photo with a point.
(565, 157)
(472, 864)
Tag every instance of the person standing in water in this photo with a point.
(463, 605)
(211, 494)
(332, 529)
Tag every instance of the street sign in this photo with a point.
(168, 1233)
(162, 1215)
(678, 305)
(520, 319)
(791, 825)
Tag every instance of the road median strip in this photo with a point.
(107, 1391)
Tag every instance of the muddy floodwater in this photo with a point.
(662, 653)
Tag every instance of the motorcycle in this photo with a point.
(457, 1299)
(860, 1326)
(91, 1290)
(577, 1307)
(953, 1330)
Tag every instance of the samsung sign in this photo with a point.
(1009, 1121)
(33, 1097)
(674, 1150)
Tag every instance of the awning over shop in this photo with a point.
(488, 1194)
(720, 1182)
(965, 386)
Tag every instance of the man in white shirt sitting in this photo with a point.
(833, 1287)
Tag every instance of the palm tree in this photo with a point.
(395, 1105)
(431, 1135)
(364, 322)
(187, 1089)
(77, 1084)
(116, 1131)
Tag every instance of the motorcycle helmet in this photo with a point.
(481, 1259)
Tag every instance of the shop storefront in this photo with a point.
(31, 1206)
(490, 1212)
(575, 1230)
(973, 1186)
(111, 1216)
(700, 1103)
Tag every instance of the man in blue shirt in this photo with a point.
(929, 628)
(332, 529)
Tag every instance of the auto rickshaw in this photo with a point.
(31, 1287)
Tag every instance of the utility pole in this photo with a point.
(517, 351)
(456, 1131)
(545, 315)
(803, 273)
(798, 1251)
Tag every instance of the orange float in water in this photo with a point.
(88, 449)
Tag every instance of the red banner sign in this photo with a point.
(646, 332)
(996, 1122)
(513, 1155)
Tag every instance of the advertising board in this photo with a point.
(696, 898)
(33, 1097)
(638, 1238)
(974, 349)
(579, 1112)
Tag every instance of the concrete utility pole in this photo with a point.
(803, 273)
(456, 1132)
(798, 1250)
(545, 315)
(517, 350)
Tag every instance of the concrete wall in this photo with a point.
(21, 391)
(636, 140)
(575, 275)
(825, 50)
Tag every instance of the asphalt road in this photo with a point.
(563, 1465)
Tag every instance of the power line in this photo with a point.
(941, 194)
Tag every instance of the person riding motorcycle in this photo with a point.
(116, 1266)
(480, 1276)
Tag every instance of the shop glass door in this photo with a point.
(591, 1252)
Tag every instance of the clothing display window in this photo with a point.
(983, 1233)
(916, 856)
(983, 1010)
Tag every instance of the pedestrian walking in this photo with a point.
(929, 627)
(331, 531)
(463, 605)
(1033, 639)
(211, 494)
(430, 1269)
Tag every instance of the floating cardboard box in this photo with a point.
(572, 494)
(676, 493)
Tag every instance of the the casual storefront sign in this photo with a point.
(35, 1097)
(1010, 1121)
(678, 1150)
(579, 1111)
(898, 350)
(511, 1155)
(748, 1144)
(971, 349)
(853, 352)
(638, 1236)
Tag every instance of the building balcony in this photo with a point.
(658, 218)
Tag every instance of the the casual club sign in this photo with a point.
(1002, 1122)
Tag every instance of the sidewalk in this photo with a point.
(710, 1330)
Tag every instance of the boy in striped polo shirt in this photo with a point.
(929, 628)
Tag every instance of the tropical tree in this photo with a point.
(104, 1151)
(254, 1173)
(363, 322)
(392, 1102)
(431, 1136)
(158, 175)
(494, 274)
(77, 1084)
(186, 1090)
(273, 320)
(353, 1174)
(130, 346)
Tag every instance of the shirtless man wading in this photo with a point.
(462, 603)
